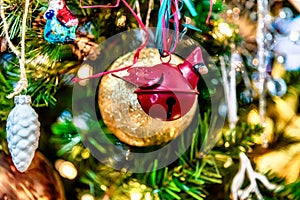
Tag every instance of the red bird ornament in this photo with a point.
(66, 17)
(167, 91)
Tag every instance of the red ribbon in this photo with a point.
(166, 42)
(137, 53)
(211, 3)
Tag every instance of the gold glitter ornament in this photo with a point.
(122, 113)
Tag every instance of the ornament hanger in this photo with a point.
(169, 12)
(23, 82)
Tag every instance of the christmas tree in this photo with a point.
(149, 99)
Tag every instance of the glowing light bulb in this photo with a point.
(121, 22)
(227, 144)
(135, 195)
(294, 36)
(103, 187)
(66, 169)
(280, 59)
(148, 196)
(85, 154)
(253, 117)
(225, 29)
(255, 62)
(229, 12)
(87, 197)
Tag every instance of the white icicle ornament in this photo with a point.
(23, 132)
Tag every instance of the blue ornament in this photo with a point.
(285, 26)
(61, 23)
(49, 14)
(276, 87)
(55, 32)
(246, 96)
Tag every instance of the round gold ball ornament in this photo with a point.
(122, 112)
(40, 181)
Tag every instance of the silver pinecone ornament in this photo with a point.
(23, 132)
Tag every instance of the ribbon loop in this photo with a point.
(137, 53)
(168, 12)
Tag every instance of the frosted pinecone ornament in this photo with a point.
(23, 132)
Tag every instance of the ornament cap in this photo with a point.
(22, 99)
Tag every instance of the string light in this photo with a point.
(253, 117)
(222, 31)
(225, 29)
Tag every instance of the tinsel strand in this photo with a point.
(138, 9)
(150, 5)
(262, 8)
